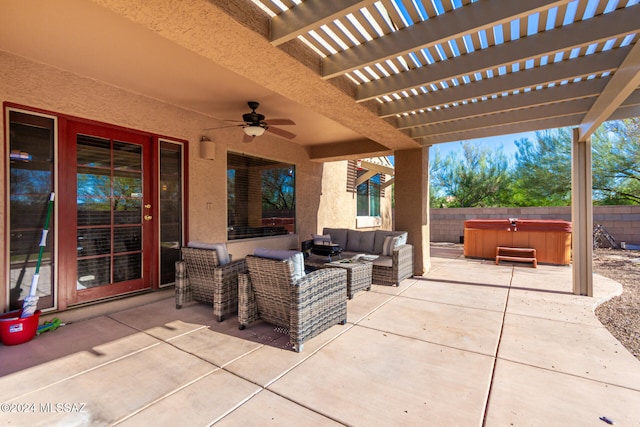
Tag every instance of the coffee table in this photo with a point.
(359, 273)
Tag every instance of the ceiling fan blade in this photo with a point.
(280, 122)
(247, 138)
(222, 127)
(281, 132)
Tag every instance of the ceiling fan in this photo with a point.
(254, 124)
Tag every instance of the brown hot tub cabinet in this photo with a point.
(550, 238)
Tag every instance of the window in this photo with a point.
(368, 194)
(171, 212)
(260, 197)
(31, 166)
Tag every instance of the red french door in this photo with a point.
(107, 226)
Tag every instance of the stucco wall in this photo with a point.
(319, 203)
(338, 206)
(622, 222)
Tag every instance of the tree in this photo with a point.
(616, 162)
(278, 193)
(542, 172)
(479, 179)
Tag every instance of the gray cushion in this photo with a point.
(220, 248)
(381, 234)
(338, 235)
(360, 241)
(295, 257)
(383, 261)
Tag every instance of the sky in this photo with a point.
(507, 142)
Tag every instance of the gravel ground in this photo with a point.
(621, 315)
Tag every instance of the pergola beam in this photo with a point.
(365, 177)
(474, 17)
(625, 80)
(376, 167)
(623, 112)
(504, 129)
(577, 106)
(348, 150)
(564, 70)
(569, 92)
(559, 109)
(310, 15)
(595, 30)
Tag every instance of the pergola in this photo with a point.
(368, 78)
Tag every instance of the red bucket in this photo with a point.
(15, 330)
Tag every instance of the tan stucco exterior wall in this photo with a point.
(38, 86)
(322, 199)
(338, 207)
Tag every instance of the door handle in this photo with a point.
(148, 217)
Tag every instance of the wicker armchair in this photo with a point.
(201, 278)
(306, 307)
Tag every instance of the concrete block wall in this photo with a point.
(622, 222)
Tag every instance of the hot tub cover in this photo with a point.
(520, 224)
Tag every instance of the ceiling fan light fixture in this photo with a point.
(253, 130)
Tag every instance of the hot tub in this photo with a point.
(550, 238)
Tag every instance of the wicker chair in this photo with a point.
(306, 307)
(201, 278)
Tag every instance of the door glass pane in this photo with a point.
(127, 197)
(94, 201)
(127, 156)
(31, 163)
(170, 209)
(93, 272)
(94, 241)
(109, 198)
(127, 267)
(94, 152)
(128, 239)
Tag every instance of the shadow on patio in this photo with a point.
(470, 343)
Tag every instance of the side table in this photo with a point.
(359, 273)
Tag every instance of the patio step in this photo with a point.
(504, 253)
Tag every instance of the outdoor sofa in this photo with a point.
(394, 261)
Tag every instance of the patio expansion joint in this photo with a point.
(577, 322)
(497, 350)
(161, 398)
(85, 371)
(568, 374)
(400, 295)
(348, 326)
(376, 308)
(169, 340)
(263, 389)
(452, 304)
(267, 386)
(439, 344)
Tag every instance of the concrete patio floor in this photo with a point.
(468, 344)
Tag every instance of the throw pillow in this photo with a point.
(390, 242)
(298, 266)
